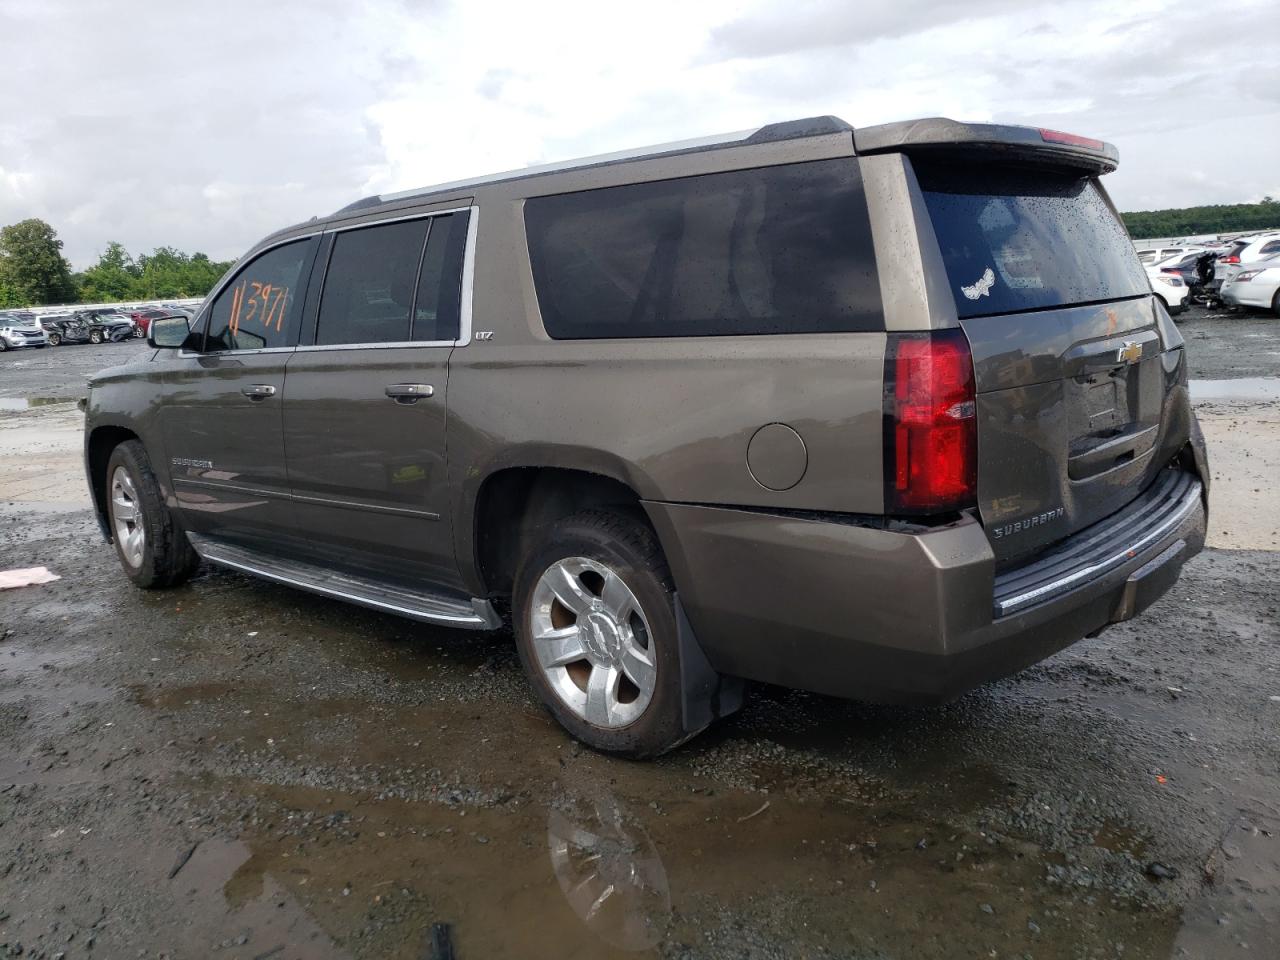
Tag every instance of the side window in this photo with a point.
(1269, 248)
(784, 249)
(368, 291)
(437, 313)
(261, 307)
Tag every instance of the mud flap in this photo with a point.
(707, 695)
(1150, 582)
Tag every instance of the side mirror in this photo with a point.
(168, 333)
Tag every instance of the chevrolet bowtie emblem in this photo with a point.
(1131, 352)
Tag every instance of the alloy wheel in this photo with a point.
(592, 642)
(126, 517)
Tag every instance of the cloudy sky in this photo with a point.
(206, 125)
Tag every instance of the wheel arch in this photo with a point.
(512, 504)
(97, 453)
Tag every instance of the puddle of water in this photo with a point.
(28, 403)
(1245, 388)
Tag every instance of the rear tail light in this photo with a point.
(1170, 270)
(1230, 258)
(931, 435)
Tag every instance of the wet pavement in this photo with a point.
(234, 769)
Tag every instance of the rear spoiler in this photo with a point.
(938, 134)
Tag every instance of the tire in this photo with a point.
(1275, 303)
(3, 346)
(137, 333)
(164, 558)
(95, 336)
(595, 547)
(54, 340)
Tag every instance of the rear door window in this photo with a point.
(783, 249)
(395, 283)
(1016, 239)
(368, 290)
(261, 307)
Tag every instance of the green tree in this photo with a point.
(32, 267)
(113, 277)
(1189, 221)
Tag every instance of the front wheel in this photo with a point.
(139, 333)
(95, 336)
(3, 346)
(54, 340)
(153, 550)
(1275, 303)
(595, 625)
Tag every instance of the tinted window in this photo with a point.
(438, 308)
(261, 306)
(1271, 247)
(1016, 239)
(782, 249)
(368, 290)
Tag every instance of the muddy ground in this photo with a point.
(233, 769)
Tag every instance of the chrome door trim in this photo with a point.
(369, 507)
(301, 498)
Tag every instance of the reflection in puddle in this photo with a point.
(610, 872)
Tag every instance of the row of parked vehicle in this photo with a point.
(1244, 272)
(25, 328)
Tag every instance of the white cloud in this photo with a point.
(206, 127)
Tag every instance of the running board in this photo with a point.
(430, 608)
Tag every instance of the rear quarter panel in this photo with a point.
(672, 418)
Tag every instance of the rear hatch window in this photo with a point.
(1017, 239)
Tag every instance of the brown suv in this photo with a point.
(882, 413)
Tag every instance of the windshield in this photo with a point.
(1015, 239)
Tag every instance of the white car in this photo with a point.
(1153, 255)
(1169, 290)
(1255, 284)
(1246, 250)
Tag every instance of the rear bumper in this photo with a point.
(1242, 296)
(904, 617)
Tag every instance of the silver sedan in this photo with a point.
(1256, 285)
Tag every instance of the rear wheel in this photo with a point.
(95, 336)
(596, 631)
(54, 339)
(1275, 303)
(153, 550)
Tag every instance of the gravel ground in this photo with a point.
(233, 769)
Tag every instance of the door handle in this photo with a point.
(409, 392)
(258, 391)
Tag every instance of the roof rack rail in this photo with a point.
(770, 133)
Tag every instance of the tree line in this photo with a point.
(1191, 221)
(33, 271)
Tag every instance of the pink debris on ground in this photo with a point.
(26, 577)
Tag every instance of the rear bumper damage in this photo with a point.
(913, 616)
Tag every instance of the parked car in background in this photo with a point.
(1194, 267)
(1152, 255)
(1246, 250)
(142, 318)
(1255, 284)
(20, 329)
(94, 327)
(1169, 289)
